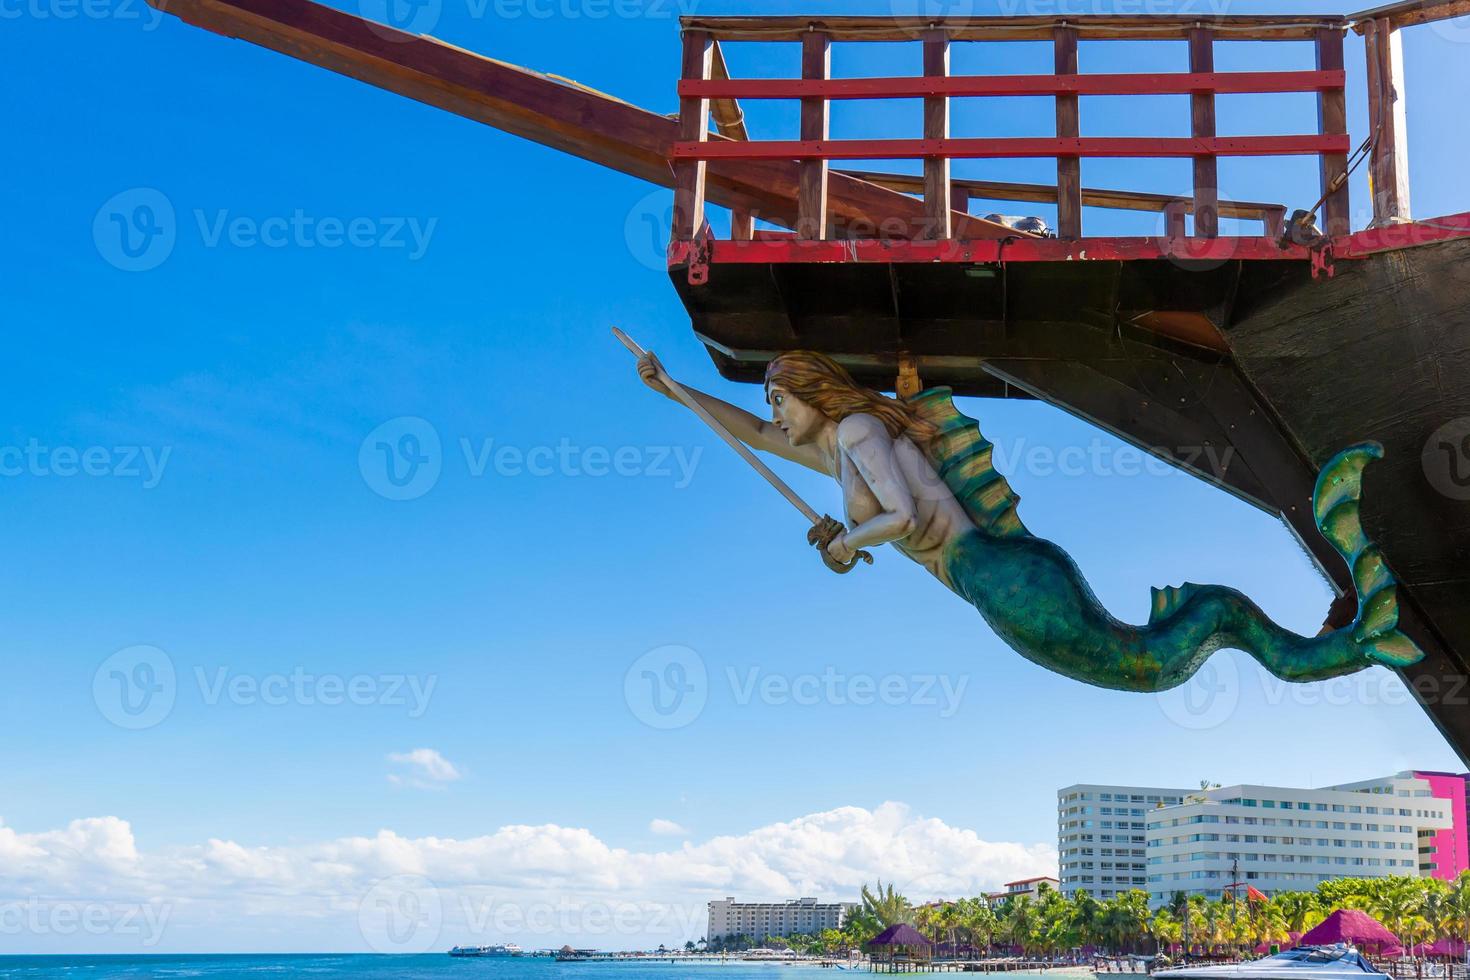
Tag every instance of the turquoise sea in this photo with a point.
(326, 966)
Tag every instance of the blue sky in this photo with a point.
(258, 548)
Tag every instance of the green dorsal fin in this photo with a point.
(963, 458)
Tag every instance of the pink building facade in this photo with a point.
(1452, 845)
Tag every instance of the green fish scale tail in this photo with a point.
(1034, 596)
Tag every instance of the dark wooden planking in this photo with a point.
(1332, 119)
(1382, 351)
(937, 200)
(1389, 159)
(1202, 124)
(1032, 28)
(538, 107)
(1068, 125)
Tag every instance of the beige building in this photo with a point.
(1029, 887)
(758, 920)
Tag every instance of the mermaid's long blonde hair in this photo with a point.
(825, 385)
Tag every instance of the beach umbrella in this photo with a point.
(1355, 927)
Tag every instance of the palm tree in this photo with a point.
(1299, 910)
(888, 907)
(1021, 921)
(981, 923)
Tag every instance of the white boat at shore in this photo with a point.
(1339, 962)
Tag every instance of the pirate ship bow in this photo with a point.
(1248, 360)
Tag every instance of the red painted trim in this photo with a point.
(978, 250)
(1169, 83)
(1045, 146)
(1393, 237)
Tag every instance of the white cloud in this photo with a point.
(658, 825)
(427, 769)
(537, 885)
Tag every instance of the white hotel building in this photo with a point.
(1280, 839)
(758, 920)
(1102, 836)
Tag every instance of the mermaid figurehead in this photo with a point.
(917, 474)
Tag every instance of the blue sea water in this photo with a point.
(327, 966)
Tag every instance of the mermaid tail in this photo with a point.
(1035, 598)
(1335, 506)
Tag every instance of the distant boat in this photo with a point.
(503, 949)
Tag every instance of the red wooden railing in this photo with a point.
(706, 86)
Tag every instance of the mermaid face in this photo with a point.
(798, 419)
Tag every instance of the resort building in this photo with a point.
(1028, 887)
(1115, 838)
(761, 919)
(1101, 837)
(1276, 839)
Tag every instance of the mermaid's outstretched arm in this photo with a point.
(754, 432)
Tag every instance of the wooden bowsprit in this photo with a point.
(824, 527)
